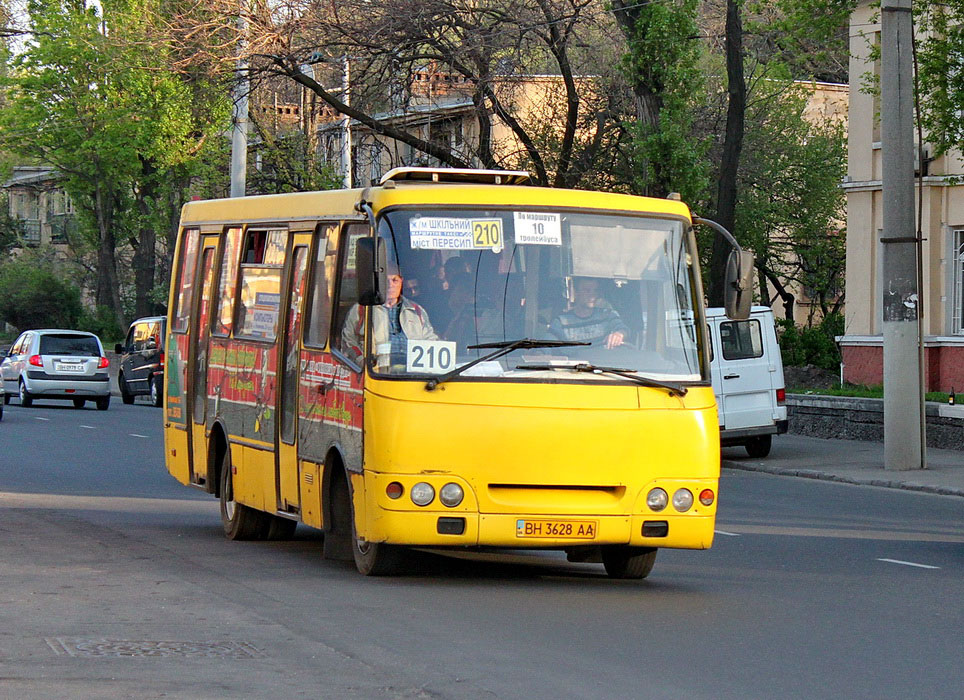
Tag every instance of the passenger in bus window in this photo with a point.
(590, 317)
(394, 323)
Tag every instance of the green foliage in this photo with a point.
(790, 204)
(662, 67)
(102, 322)
(940, 60)
(801, 346)
(35, 293)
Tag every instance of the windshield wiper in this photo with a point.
(673, 389)
(503, 347)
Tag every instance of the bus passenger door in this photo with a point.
(287, 469)
(197, 394)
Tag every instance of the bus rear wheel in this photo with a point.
(628, 562)
(240, 522)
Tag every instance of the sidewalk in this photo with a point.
(852, 462)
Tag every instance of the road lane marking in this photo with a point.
(849, 533)
(909, 563)
(726, 534)
(137, 435)
(39, 418)
(89, 427)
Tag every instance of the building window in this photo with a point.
(957, 301)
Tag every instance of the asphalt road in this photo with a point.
(115, 582)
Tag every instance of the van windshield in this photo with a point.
(617, 289)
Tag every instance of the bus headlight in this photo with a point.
(657, 499)
(451, 495)
(422, 494)
(683, 500)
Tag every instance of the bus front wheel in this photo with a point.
(240, 522)
(628, 562)
(377, 558)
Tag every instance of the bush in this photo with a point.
(34, 293)
(101, 322)
(814, 345)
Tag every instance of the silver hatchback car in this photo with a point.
(57, 364)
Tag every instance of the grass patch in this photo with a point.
(863, 392)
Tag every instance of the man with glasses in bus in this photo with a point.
(394, 323)
(590, 317)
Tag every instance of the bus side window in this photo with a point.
(348, 296)
(228, 283)
(185, 280)
(322, 285)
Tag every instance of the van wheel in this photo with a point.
(157, 393)
(26, 400)
(126, 396)
(240, 522)
(628, 562)
(759, 446)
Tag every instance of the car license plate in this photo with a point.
(574, 529)
(61, 367)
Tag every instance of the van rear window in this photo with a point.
(65, 344)
(741, 340)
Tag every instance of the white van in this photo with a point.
(747, 372)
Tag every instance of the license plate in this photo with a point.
(574, 529)
(60, 367)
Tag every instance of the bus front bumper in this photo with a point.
(462, 529)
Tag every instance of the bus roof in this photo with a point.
(312, 206)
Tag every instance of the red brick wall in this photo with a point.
(943, 366)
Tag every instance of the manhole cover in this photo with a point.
(90, 648)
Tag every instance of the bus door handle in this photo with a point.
(731, 376)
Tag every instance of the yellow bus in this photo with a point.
(449, 359)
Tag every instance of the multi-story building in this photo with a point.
(941, 194)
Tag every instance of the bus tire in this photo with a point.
(622, 561)
(338, 530)
(279, 528)
(240, 522)
(376, 558)
(759, 446)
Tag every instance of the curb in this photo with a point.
(856, 481)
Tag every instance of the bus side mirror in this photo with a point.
(738, 285)
(371, 271)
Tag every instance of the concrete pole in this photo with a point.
(239, 131)
(904, 444)
(346, 141)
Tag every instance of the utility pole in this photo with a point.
(904, 442)
(346, 140)
(239, 131)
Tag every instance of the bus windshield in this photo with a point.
(617, 290)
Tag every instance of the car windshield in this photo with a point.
(69, 344)
(616, 289)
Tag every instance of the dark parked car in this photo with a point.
(141, 360)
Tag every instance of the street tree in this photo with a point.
(489, 52)
(91, 99)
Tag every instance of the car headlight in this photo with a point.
(451, 495)
(683, 500)
(657, 499)
(422, 494)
